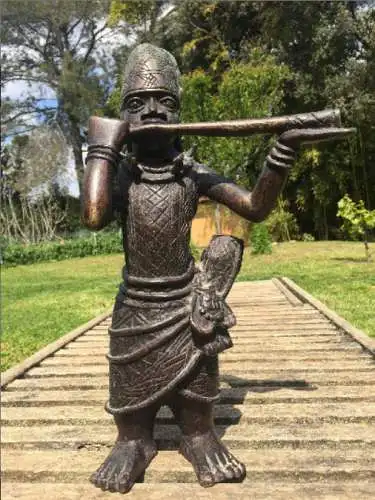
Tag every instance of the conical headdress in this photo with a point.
(151, 68)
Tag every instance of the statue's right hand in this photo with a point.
(107, 132)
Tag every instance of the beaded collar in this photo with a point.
(155, 175)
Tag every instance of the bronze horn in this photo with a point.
(238, 128)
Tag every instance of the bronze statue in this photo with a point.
(170, 319)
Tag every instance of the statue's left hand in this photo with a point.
(282, 155)
(297, 137)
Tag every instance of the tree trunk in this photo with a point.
(77, 143)
(364, 170)
(72, 134)
(325, 223)
(367, 248)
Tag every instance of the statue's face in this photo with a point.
(150, 106)
(144, 107)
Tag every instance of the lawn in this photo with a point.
(43, 301)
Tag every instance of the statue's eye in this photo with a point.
(169, 102)
(134, 104)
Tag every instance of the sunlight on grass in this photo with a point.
(44, 301)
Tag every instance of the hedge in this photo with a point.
(96, 244)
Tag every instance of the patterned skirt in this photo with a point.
(156, 348)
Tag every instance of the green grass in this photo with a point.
(44, 301)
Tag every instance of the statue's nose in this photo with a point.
(153, 105)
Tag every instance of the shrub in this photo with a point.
(308, 237)
(260, 239)
(281, 223)
(358, 221)
(82, 245)
(95, 244)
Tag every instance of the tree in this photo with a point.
(210, 34)
(247, 90)
(330, 48)
(30, 211)
(59, 45)
(141, 17)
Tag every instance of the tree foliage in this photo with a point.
(247, 90)
(240, 59)
(329, 50)
(141, 16)
(58, 46)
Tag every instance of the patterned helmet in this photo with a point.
(151, 68)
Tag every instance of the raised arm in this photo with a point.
(254, 205)
(106, 138)
(257, 204)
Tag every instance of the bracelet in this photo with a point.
(104, 153)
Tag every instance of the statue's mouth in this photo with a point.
(149, 121)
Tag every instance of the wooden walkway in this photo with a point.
(297, 407)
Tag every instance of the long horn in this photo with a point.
(273, 125)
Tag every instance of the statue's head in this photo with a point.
(151, 88)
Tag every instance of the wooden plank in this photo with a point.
(247, 379)
(245, 395)
(285, 309)
(187, 476)
(328, 412)
(56, 464)
(246, 333)
(256, 321)
(263, 366)
(245, 435)
(334, 489)
(249, 356)
(317, 341)
(270, 326)
(245, 330)
(249, 347)
(300, 312)
(251, 372)
(277, 322)
(367, 342)
(233, 368)
(18, 370)
(291, 297)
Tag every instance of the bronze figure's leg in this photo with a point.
(133, 451)
(201, 446)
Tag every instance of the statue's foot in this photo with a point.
(212, 462)
(124, 465)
